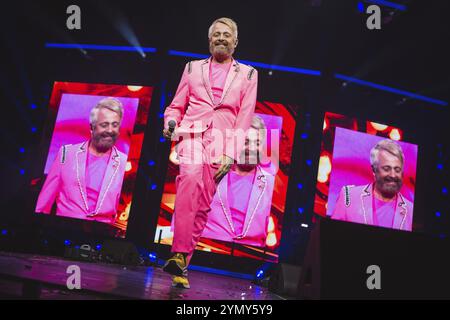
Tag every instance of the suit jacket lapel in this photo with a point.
(366, 199)
(205, 78)
(222, 188)
(400, 213)
(232, 73)
(81, 155)
(111, 169)
(259, 185)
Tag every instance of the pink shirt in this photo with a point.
(239, 189)
(95, 171)
(383, 212)
(217, 76)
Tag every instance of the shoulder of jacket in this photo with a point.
(191, 64)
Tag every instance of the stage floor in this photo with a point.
(45, 277)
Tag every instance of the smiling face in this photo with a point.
(222, 42)
(388, 174)
(105, 130)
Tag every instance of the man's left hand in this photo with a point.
(225, 166)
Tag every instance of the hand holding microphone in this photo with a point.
(167, 133)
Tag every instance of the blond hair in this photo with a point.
(226, 21)
(112, 104)
(388, 146)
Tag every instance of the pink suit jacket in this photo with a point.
(65, 182)
(254, 231)
(193, 107)
(354, 204)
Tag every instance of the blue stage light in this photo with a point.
(390, 89)
(161, 115)
(260, 274)
(4, 232)
(151, 163)
(300, 186)
(440, 166)
(33, 106)
(67, 242)
(154, 186)
(361, 7)
(162, 139)
(309, 162)
(300, 210)
(438, 214)
(445, 190)
(33, 129)
(99, 47)
(22, 171)
(152, 256)
(304, 136)
(22, 150)
(389, 4)
(98, 247)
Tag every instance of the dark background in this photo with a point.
(410, 53)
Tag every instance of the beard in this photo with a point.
(104, 141)
(388, 186)
(221, 50)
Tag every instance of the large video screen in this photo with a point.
(96, 138)
(247, 209)
(367, 174)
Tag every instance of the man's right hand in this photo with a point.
(167, 134)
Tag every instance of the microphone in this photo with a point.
(172, 125)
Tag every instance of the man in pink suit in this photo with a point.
(213, 105)
(241, 206)
(379, 203)
(86, 178)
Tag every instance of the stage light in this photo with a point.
(151, 163)
(440, 166)
(271, 239)
(22, 150)
(22, 171)
(304, 136)
(154, 186)
(300, 210)
(67, 242)
(98, 247)
(4, 232)
(309, 162)
(33, 129)
(361, 7)
(270, 225)
(128, 167)
(161, 115)
(445, 190)
(162, 139)
(438, 214)
(270, 72)
(378, 126)
(259, 274)
(395, 135)
(300, 186)
(33, 106)
(134, 88)
(324, 168)
(304, 225)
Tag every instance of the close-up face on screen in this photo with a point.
(94, 152)
(247, 208)
(366, 174)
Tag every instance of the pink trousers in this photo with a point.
(195, 187)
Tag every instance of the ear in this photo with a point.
(236, 43)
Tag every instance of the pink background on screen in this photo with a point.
(72, 123)
(351, 163)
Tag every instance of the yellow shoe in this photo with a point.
(180, 282)
(176, 265)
